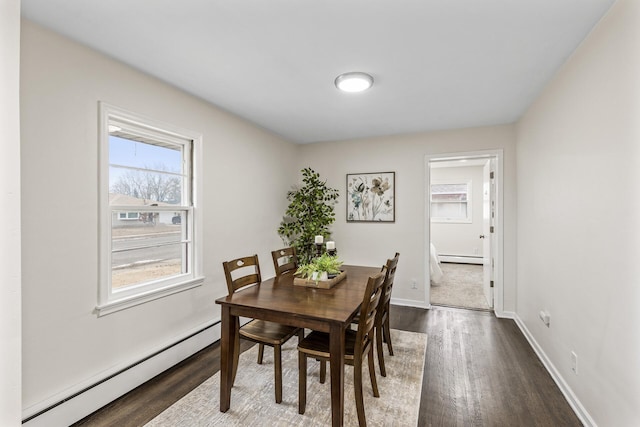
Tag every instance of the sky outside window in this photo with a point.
(126, 152)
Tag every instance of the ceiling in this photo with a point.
(437, 64)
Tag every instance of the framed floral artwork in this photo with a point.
(371, 197)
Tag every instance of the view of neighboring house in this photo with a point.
(133, 215)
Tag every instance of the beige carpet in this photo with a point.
(461, 286)
(253, 402)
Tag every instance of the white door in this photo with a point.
(486, 236)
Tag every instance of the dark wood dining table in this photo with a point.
(279, 300)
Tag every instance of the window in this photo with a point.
(451, 202)
(124, 216)
(148, 219)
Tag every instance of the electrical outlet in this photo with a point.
(574, 362)
(414, 284)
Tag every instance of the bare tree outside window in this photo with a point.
(150, 184)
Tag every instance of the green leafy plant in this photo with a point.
(325, 262)
(309, 214)
(306, 270)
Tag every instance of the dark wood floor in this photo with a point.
(479, 371)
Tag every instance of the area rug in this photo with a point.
(253, 398)
(460, 286)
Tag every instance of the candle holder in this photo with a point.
(318, 249)
(332, 252)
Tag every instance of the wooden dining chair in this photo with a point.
(357, 344)
(285, 260)
(383, 329)
(241, 273)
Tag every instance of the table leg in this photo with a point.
(227, 348)
(336, 348)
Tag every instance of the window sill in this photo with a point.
(131, 301)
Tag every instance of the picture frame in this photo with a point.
(371, 197)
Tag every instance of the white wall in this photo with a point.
(10, 300)
(578, 229)
(247, 173)
(373, 243)
(460, 239)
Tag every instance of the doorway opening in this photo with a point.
(464, 230)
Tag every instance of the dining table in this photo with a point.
(279, 300)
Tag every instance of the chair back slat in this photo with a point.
(390, 273)
(249, 275)
(368, 310)
(284, 260)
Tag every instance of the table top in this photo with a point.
(278, 296)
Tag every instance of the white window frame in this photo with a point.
(469, 218)
(109, 300)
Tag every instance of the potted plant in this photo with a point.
(320, 268)
(309, 214)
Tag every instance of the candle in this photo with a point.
(331, 245)
(319, 240)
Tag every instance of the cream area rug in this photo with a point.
(253, 397)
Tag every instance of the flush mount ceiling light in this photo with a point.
(354, 82)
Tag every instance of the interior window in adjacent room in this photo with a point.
(451, 202)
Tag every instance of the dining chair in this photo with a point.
(357, 344)
(382, 327)
(284, 260)
(241, 273)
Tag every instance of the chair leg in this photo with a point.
(379, 348)
(387, 332)
(357, 385)
(277, 359)
(323, 371)
(300, 335)
(260, 353)
(236, 354)
(372, 373)
(302, 382)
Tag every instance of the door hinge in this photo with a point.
(491, 229)
(491, 284)
(491, 175)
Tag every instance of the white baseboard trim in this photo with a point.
(460, 259)
(575, 404)
(505, 314)
(410, 303)
(86, 399)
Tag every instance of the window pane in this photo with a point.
(145, 222)
(449, 197)
(149, 248)
(448, 188)
(133, 187)
(138, 266)
(124, 151)
(143, 252)
(146, 243)
(449, 210)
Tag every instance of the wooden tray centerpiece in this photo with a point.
(309, 274)
(322, 284)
